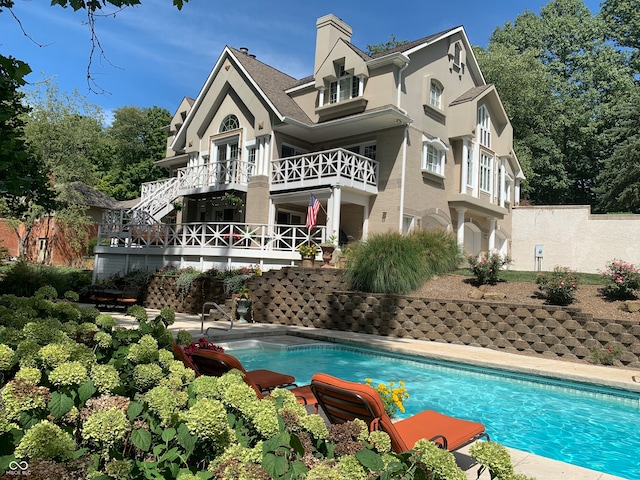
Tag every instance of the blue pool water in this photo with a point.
(574, 423)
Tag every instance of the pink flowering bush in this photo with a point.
(487, 267)
(623, 279)
(560, 285)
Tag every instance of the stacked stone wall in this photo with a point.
(162, 291)
(318, 298)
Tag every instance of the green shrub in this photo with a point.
(398, 264)
(560, 285)
(486, 268)
(623, 279)
(24, 279)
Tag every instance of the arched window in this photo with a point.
(435, 94)
(230, 122)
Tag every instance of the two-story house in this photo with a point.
(409, 138)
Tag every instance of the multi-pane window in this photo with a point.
(435, 95)
(367, 150)
(484, 127)
(230, 122)
(346, 87)
(486, 172)
(432, 158)
(469, 168)
(457, 54)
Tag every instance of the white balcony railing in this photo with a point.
(285, 238)
(216, 175)
(326, 167)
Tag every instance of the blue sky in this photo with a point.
(157, 54)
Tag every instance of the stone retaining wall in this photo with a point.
(318, 298)
(162, 291)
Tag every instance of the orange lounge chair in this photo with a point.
(217, 364)
(264, 380)
(343, 401)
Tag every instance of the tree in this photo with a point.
(138, 141)
(65, 133)
(585, 78)
(25, 189)
(622, 21)
(620, 180)
(383, 47)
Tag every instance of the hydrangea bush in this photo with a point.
(84, 398)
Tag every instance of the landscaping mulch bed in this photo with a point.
(588, 298)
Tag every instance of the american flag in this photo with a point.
(312, 211)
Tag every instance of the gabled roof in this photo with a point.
(272, 85)
(269, 82)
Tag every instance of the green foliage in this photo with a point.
(486, 268)
(606, 356)
(24, 279)
(185, 280)
(24, 182)
(623, 280)
(71, 403)
(397, 264)
(384, 47)
(572, 82)
(495, 458)
(559, 285)
(137, 140)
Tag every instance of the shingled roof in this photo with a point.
(273, 84)
(471, 94)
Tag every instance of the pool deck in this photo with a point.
(535, 466)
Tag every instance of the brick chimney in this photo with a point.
(329, 30)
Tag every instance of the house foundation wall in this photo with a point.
(318, 298)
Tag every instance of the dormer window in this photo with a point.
(346, 87)
(435, 95)
(457, 54)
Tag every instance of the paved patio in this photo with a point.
(541, 468)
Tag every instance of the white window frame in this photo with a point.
(346, 87)
(368, 149)
(457, 54)
(486, 172)
(484, 127)
(435, 95)
(433, 156)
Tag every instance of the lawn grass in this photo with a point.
(530, 277)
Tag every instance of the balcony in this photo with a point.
(216, 176)
(330, 167)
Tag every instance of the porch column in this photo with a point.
(461, 226)
(492, 234)
(333, 222)
(365, 220)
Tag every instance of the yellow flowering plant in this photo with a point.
(308, 250)
(392, 396)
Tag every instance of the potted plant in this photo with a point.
(328, 248)
(308, 253)
(243, 303)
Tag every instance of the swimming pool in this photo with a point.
(595, 428)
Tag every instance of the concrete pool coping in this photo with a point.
(535, 466)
